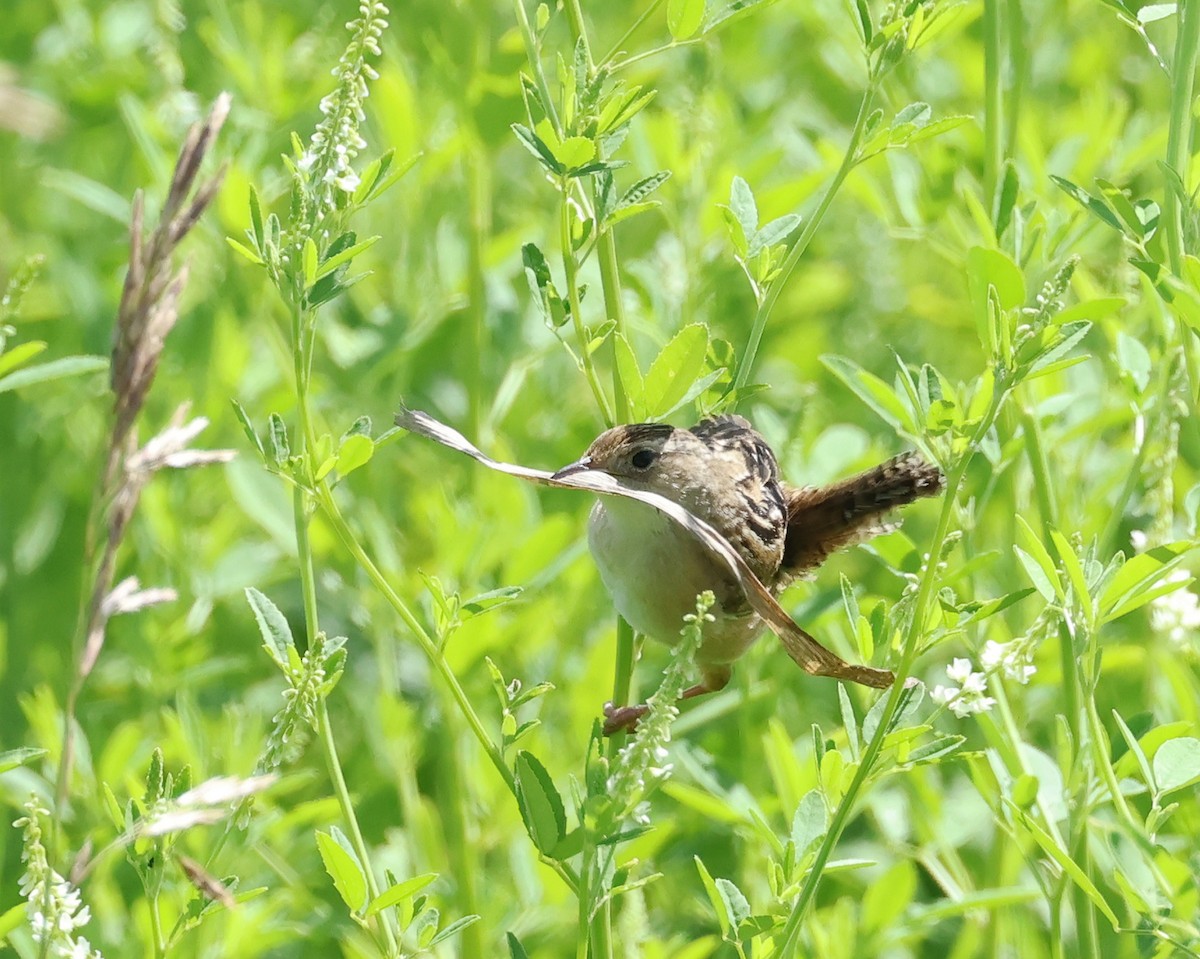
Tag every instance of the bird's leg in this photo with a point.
(625, 718)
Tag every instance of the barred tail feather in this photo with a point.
(824, 519)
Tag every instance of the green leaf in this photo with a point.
(1137, 575)
(537, 146)
(873, 391)
(399, 892)
(986, 267)
(309, 260)
(620, 110)
(917, 114)
(675, 369)
(733, 11)
(515, 949)
(345, 256)
(698, 386)
(1177, 764)
(19, 355)
(248, 427)
(90, 193)
(389, 174)
(774, 232)
(910, 700)
(13, 919)
(1034, 550)
(273, 625)
(1075, 572)
(937, 127)
(1060, 856)
(355, 451)
(632, 383)
(736, 905)
(343, 868)
(453, 929)
(935, 750)
(12, 758)
(541, 805)
(714, 896)
(1093, 205)
(627, 212)
(1135, 748)
(849, 723)
(575, 152)
(982, 610)
(280, 448)
(245, 251)
(1047, 586)
(492, 599)
(684, 18)
(642, 189)
(810, 822)
(743, 207)
(256, 221)
(864, 19)
(53, 370)
(1156, 11)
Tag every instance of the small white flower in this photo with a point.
(968, 697)
(1177, 613)
(1012, 658)
(347, 183)
(1138, 539)
(960, 671)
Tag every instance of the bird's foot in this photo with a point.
(622, 718)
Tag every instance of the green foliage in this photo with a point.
(536, 223)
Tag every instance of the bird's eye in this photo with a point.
(643, 458)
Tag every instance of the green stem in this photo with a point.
(1179, 155)
(647, 54)
(583, 931)
(1179, 134)
(1008, 746)
(610, 282)
(1086, 932)
(1018, 60)
(156, 929)
(539, 75)
(1043, 493)
(622, 678)
(460, 833)
(578, 31)
(340, 790)
(334, 515)
(810, 228)
(478, 196)
(642, 18)
(993, 110)
(571, 270)
(911, 644)
(308, 587)
(324, 728)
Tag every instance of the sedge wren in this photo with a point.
(723, 472)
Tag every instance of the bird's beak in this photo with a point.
(581, 465)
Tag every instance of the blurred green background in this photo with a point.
(771, 99)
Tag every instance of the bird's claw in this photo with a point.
(622, 718)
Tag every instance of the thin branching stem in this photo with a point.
(767, 304)
(1179, 153)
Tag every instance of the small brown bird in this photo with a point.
(723, 472)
